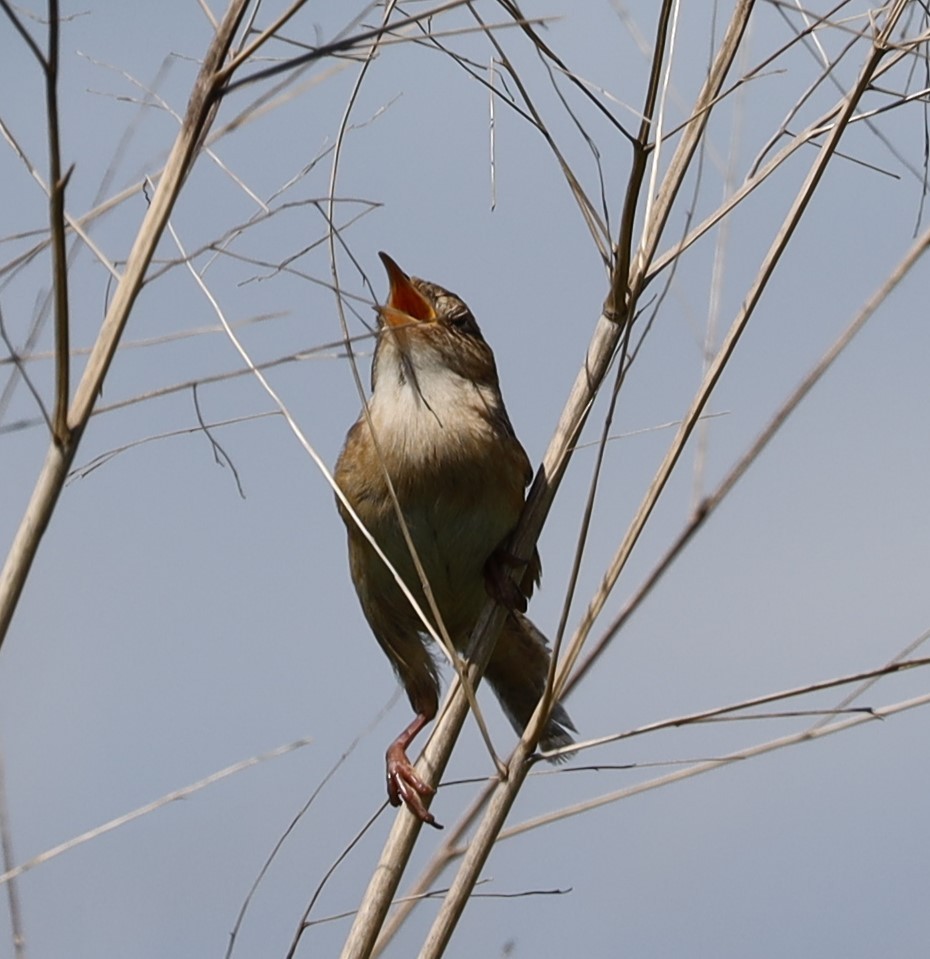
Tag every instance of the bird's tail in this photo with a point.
(517, 674)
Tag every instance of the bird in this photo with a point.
(436, 424)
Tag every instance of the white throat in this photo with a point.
(417, 405)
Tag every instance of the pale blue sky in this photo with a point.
(170, 628)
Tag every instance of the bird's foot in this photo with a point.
(405, 786)
(500, 584)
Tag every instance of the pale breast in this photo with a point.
(429, 414)
(445, 459)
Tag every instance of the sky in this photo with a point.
(190, 606)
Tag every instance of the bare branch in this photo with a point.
(342, 45)
(808, 735)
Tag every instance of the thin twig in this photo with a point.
(453, 847)
(151, 807)
(76, 247)
(101, 459)
(720, 361)
(356, 839)
(808, 735)
(707, 506)
(323, 783)
(725, 712)
(25, 35)
(20, 366)
(606, 336)
(17, 929)
(57, 185)
(339, 46)
(220, 456)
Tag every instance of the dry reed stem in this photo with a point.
(159, 803)
(630, 276)
(449, 849)
(607, 333)
(200, 112)
(825, 154)
(586, 387)
(794, 739)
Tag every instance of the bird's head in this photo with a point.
(425, 327)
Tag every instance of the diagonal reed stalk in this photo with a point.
(506, 790)
(627, 282)
(201, 110)
(629, 277)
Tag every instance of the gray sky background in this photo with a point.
(171, 628)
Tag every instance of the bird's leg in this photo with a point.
(403, 783)
(500, 584)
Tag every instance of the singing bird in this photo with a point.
(443, 435)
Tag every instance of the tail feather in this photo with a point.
(517, 673)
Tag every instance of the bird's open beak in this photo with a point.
(405, 303)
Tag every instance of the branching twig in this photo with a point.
(794, 739)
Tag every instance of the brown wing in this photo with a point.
(515, 463)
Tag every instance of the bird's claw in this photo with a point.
(405, 786)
